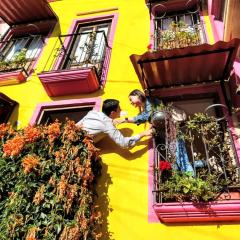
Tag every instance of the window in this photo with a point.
(204, 162)
(80, 60)
(61, 114)
(20, 52)
(7, 106)
(177, 30)
(74, 109)
(88, 46)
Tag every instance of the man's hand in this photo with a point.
(147, 133)
(118, 121)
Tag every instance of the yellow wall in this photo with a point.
(123, 187)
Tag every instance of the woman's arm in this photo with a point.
(143, 116)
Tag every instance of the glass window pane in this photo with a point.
(166, 23)
(186, 19)
(82, 45)
(17, 46)
(34, 48)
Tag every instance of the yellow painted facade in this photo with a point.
(123, 186)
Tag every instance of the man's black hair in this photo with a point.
(110, 105)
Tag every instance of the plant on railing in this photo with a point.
(217, 172)
(47, 176)
(18, 61)
(184, 187)
(178, 35)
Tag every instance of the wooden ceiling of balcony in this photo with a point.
(25, 11)
(185, 66)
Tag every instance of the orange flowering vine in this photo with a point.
(13, 147)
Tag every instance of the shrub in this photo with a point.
(47, 176)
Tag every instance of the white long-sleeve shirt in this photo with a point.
(99, 124)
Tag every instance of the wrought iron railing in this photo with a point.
(179, 33)
(195, 161)
(19, 53)
(79, 51)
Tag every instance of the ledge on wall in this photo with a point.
(70, 82)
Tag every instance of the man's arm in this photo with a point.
(124, 142)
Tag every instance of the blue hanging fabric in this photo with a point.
(182, 161)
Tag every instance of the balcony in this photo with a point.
(17, 57)
(166, 74)
(196, 174)
(77, 64)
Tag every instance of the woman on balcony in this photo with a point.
(146, 107)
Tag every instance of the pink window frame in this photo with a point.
(96, 102)
(152, 217)
(76, 22)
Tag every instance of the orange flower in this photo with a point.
(52, 181)
(93, 151)
(29, 163)
(70, 131)
(14, 146)
(31, 134)
(71, 193)
(5, 129)
(70, 232)
(39, 196)
(31, 235)
(60, 156)
(53, 131)
(61, 188)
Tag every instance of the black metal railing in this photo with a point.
(195, 161)
(78, 51)
(179, 33)
(19, 53)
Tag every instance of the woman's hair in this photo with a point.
(138, 93)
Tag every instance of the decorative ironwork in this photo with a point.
(79, 51)
(177, 31)
(195, 161)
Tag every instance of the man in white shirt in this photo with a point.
(100, 124)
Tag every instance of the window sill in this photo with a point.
(228, 210)
(69, 82)
(12, 77)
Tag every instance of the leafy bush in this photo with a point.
(47, 176)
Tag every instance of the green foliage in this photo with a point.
(220, 172)
(18, 61)
(184, 187)
(47, 176)
(179, 35)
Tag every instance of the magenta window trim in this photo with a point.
(152, 217)
(76, 22)
(217, 26)
(63, 103)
